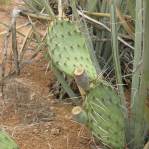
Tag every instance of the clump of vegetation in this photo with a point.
(103, 47)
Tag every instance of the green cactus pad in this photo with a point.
(6, 142)
(68, 49)
(105, 118)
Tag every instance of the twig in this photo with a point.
(37, 36)
(99, 14)
(42, 44)
(18, 27)
(38, 49)
(37, 16)
(22, 51)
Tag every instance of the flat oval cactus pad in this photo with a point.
(105, 117)
(68, 50)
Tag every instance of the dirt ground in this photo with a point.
(29, 113)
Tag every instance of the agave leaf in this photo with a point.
(115, 50)
(144, 82)
(138, 92)
(131, 7)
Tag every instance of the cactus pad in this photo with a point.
(105, 118)
(6, 142)
(68, 49)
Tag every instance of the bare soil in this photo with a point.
(29, 112)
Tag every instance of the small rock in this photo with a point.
(35, 131)
(55, 131)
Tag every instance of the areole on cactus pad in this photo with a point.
(68, 50)
(6, 142)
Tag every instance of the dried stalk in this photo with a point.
(18, 27)
(14, 40)
(99, 14)
(4, 59)
(37, 36)
(36, 16)
(66, 87)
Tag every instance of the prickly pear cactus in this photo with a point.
(105, 118)
(6, 142)
(68, 50)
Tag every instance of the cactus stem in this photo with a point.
(81, 78)
(79, 115)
